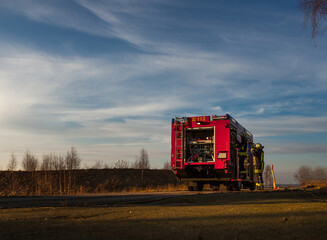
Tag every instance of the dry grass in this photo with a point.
(79, 182)
(315, 184)
(163, 188)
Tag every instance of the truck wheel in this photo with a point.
(252, 187)
(199, 186)
(190, 188)
(237, 186)
(229, 187)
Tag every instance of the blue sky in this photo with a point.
(108, 76)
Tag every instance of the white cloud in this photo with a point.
(284, 125)
(35, 110)
(49, 102)
(217, 110)
(29, 78)
(55, 13)
(101, 18)
(296, 148)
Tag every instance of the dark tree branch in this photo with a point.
(315, 12)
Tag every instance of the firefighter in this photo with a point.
(247, 166)
(244, 157)
(259, 164)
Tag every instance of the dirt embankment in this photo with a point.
(19, 183)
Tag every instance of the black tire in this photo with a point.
(190, 188)
(199, 186)
(253, 186)
(229, 188)
(237, 186)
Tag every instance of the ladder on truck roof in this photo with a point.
(179, 142)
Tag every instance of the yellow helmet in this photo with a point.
(259, 146)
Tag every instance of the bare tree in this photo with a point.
(72, 161)
(107, 166)
(12, 165)
(315, 12)
(142, 161)
(61, 162)
(98, 165)
(166, 165)
(57, 162)
(30, 162)
(267, 176)
(54, 164)
(122, 164)
(303, 174)
(46, 162)
(320, 173)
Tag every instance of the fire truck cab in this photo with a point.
(212, 150)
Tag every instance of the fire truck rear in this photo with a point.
(215, 150)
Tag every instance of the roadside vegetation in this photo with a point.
(72, 161)
(58, 174)
(312, 177)
(62, 174)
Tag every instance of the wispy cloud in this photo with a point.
(292, 148)
(283, 125)
(187, 62)
(54, 97)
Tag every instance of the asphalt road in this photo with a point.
(178, 215)
(90, 200)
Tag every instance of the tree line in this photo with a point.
(72, 161)
(51, 161)
(59, 174)
(308, 175)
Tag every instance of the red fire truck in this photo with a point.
(215, 150)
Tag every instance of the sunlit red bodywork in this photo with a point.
(207, 148)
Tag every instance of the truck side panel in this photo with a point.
(222, 144)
